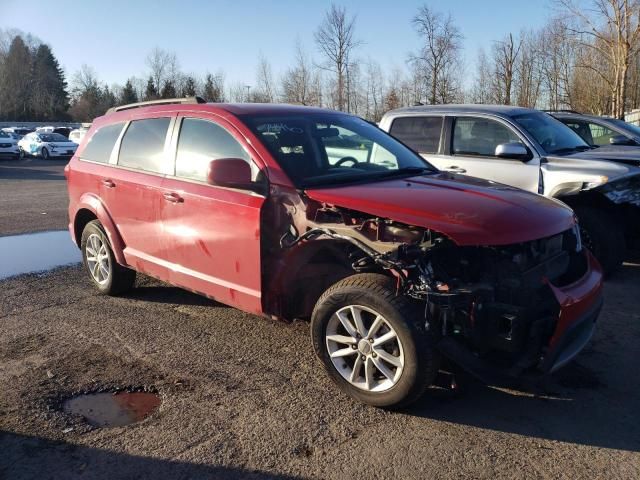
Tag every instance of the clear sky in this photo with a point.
(115, 36)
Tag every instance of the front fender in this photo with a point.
(92, 203)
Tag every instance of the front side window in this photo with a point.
(480, 136)
(100, 145)
(199, 143)
(324, 149)
(142, 146)
(581, 128)
(420, 133)
(601, 134)
(551, 134)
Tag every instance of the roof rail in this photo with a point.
(162, 101)
(562, 111)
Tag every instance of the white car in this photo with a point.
(8, 146)
(47, 145)
(77, 135)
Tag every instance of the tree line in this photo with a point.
(585, 58)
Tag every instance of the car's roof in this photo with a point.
(580, 115)
(233, 108)
(507, 110)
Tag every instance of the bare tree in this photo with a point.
(439, 55)
(163, 67)
(557, 63)
(265, 89)
(481, 91)
(335, 40)
(300, 83)
(613, 26)
(505, 56)
(528, 79)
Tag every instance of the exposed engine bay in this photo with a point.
(491, 302)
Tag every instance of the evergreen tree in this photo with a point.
(15, 92)
(151, 93)
(107, 100)
(49, 99)
(189, 89)
(213, 89)
(128, 94)
(168, 91)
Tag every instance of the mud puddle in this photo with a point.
(36, 252)
(113, 409)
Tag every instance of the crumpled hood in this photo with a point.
(624, 154)
(468, 210)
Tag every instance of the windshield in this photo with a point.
(629, 127)
(552, 135)
(52, 137)
(4, 134)
(331, 149)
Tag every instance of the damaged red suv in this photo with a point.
(294, 212)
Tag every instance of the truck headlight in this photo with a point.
(601, 180)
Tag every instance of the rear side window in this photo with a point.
(199, 143)
(422, 134)
(142, 146)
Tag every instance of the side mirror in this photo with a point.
(229, 172)
(515, 150)
(621, 140)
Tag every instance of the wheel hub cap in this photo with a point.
(364, 348)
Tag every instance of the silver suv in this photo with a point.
(532, 150)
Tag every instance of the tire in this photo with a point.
(375, 296)
(603, 236)
(45, 153)
(108, 276)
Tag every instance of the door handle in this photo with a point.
(455, 169)
(107, 182)
(173, 197)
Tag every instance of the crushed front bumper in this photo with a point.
(580, 304)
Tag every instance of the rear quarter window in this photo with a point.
(142, 146)
(99, 147)
(422, 134)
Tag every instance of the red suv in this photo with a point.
(295, 212)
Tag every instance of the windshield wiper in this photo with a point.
(578, 148)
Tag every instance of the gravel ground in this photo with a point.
(244, 397)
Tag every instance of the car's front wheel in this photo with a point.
(107, 275)
(45, 153)
(370, 342)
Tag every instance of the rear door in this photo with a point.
(132, 189)
(472, 152)
(211, 234)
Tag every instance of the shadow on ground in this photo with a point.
(26, 457)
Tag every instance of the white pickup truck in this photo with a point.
(531, 150)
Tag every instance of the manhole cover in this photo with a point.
(113, 409)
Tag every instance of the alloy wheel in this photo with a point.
(364, 348)
(97, 259)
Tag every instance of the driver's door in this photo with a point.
(472, 152)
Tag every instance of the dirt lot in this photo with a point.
(244, 397)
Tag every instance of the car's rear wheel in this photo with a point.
(105, 272)
(370, 342)
(45, 153)
(603, 236)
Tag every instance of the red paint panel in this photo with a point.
(210, 244)
(577, 299)
(468, 210)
